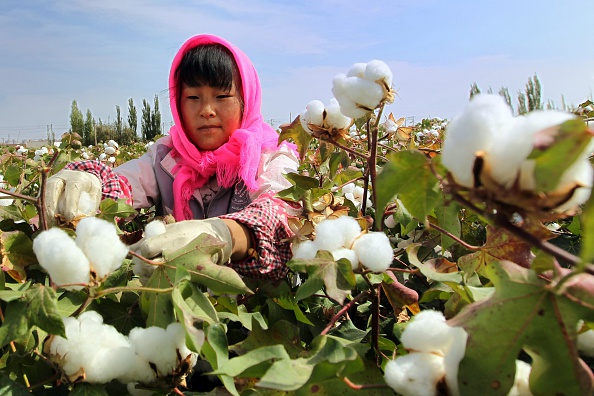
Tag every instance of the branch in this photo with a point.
(342, 311)
(354, 386)
(454, 237)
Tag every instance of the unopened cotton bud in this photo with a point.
(64, 261)
(374, 251)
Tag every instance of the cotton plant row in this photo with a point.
(95, 352)
(358, 92)
(344, 238)
(487, 130)
(435, 350)
(72, 264)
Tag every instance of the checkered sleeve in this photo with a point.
(267, 218)
(113, 185)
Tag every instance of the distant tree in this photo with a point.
(132, 117)
(474, 89)
(522, 108)
(87, 135)
(147, 123)
(533, 94)
(156, 120)
(118, 124)
(503, 91)
(76, 119)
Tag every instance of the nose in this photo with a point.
(207, 111)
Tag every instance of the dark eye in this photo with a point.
(193, 97)
(224, 96)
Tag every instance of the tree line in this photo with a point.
(528, 100)
(94, 131)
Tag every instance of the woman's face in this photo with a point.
(210, 115)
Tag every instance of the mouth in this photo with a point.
(206, 127)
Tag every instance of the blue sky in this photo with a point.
(100, 53)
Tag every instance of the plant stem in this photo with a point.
(364, 156)
(354, 386)
(343, 311)
(454, 237)
(375, 330)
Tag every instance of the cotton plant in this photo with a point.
(354, 193)
(72, 264)
(96, 352)
(5, 200)
(487, 131)
(344, 238)
(363, 88)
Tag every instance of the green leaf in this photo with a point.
(587, 221)
(337, 277)
(193, 307)
(337, 160)
(301, 184)
(196, 258)
(551, 163)
(111, 209)
(157, 306)
(216, 351)
(241, 314)
(409, 176)
(447, 216)
(238, 365)
(15, 324)
(42, 310)
(523, 313)
(290, 303)
(282, 332)
(297, 134)
(13, 175)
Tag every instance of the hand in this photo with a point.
(178, 235)
(71, 194)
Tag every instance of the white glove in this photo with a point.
(178, 235)
(71, 194)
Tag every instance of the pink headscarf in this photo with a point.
(238, 159)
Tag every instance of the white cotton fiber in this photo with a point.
(328, 235)
(99, 240)
(347, 254)
(484, 117)
(313, 114)
(585, 343)
(348, 106)
(156, 346)
(305, 250)
(178, 334)
(415, 374)
(427, 332)
(378, 70)
(357, 70)
(154, 228)
(334, 118)
(86, 204)
(350, 229)
(453, 356)
(64, 261)
(521, 385)
(374, 251)
(366, 93)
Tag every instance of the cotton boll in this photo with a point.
(473, 130)
(415, 374)
(178, 334)
(365, 93)
(113, 143)
(154, 228)
(377, 70)
(313, 114)
(453, 356)
(109, 363)
(101, 244)
(390, 222)
(521, 385)
(579, 173)
(350, 229)
(348, 106)
(64, 261)
(427, 332)
(110, 150)
(86, 205)
(585, 343)
(154, 345)
(102, 157)
(334, 118)
(329, 235)
(305, 250)
(357, 70)
(374, 251)
(347, 254)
